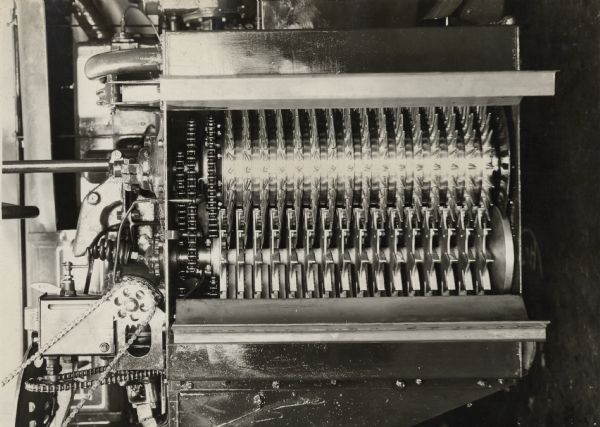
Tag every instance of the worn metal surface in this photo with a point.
(431, 49)
(366, 310)
(361, 333)
(355, 403)
(356, 90)
(94, 335)
(348, 361)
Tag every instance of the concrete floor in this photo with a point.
(561, 177)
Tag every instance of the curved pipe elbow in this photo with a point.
(144, 59)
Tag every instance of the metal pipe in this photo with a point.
(144, 59)
(91, 20)
(55, 166)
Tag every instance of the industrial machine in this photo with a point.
(292, 213)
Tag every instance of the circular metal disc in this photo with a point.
(501, 246)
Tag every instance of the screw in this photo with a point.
(259, 399)
(104, 347)
(481, 383)
(418, 381)
(93, 198)
(333, 382)
(187, 385)
(275, 385)
(400, 384)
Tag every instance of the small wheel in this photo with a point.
(36, 409)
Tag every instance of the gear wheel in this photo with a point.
(192, 194)
(211, 173)
(134, 299)
(33, 408)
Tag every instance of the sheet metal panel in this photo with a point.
(354, 404)
(189, 362)
(424, 49)
(484, 308)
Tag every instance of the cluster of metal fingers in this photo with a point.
(353, 202)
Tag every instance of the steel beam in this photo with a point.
(356, 90)
(361, 333)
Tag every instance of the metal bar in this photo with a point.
(35, 107)
(13, 338)
(356, 90)
(475, 308)
(55, 166)
(10, 211)
(353, 332)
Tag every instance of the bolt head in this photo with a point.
(104, 347)
(93, 198)
(131, 305)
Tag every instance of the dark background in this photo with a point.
(560, 165)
